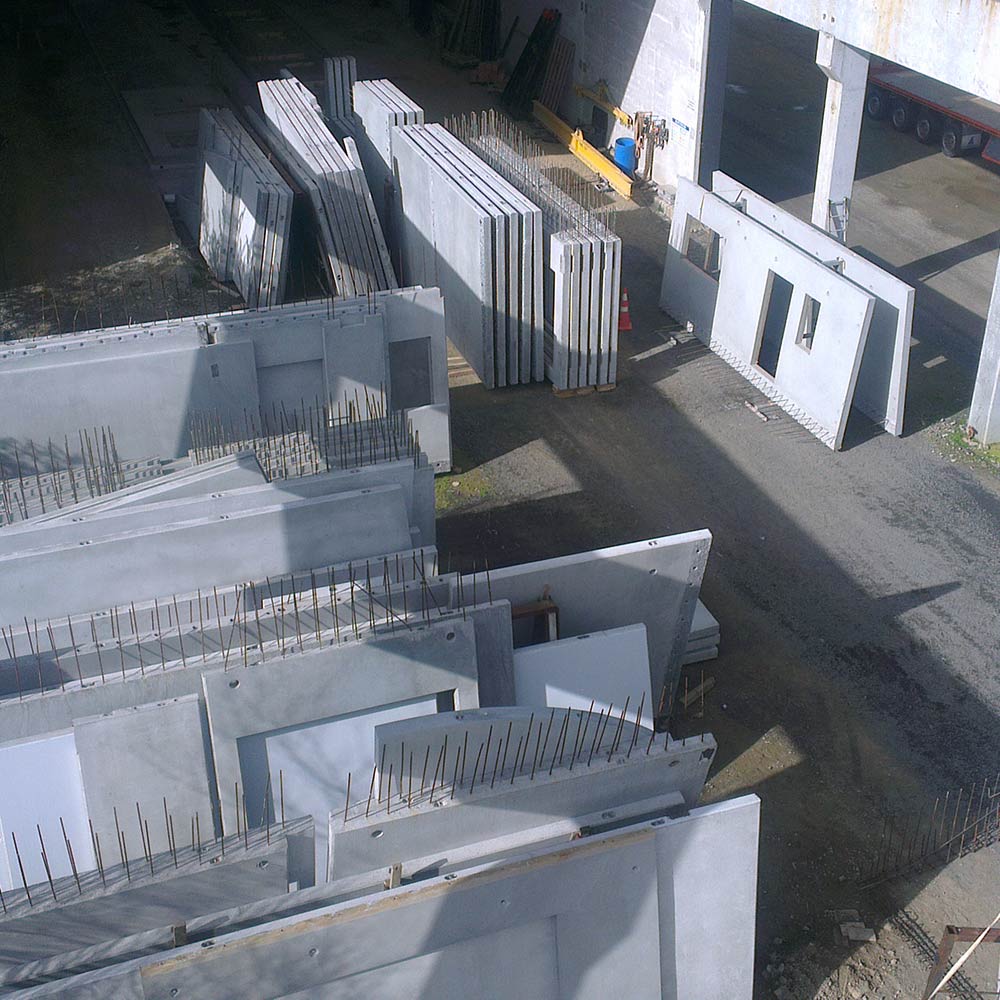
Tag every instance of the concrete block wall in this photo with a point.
(653, 55)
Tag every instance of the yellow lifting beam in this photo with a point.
(574, 141)
(600, 96)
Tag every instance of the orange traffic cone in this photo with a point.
(624, 320)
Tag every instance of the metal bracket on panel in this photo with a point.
(839, 213)
(395, 877)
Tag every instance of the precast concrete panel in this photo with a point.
(820, 337)
(655, 582)
(327, 683)
(880, 392)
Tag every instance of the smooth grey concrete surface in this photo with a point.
(379, 106)
(220, 504)
(577, 918)
(41, 789)
(339, 72)
(984, 415)
(69, 650)
(918, 35)
(201, 552)
(813, 380)
(846, 71)
(494, 650)
(463, 224)
(708, 902)
(336, 681)
(581, 298)
(880, 392)
(86, 667)
(599, 668)
(655, 582)
(229, 367)
(226, 473)
(360, 259)
(165, 503)
(147, 397)
(517, 802)
(145, 755)
(539, 927)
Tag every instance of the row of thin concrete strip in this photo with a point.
(582, 298)
(510, 319)
(352, 237)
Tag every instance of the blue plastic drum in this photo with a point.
(625, 155)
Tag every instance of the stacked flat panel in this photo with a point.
(480, 239)
(340, 73)
(349, 228)
(582, 261)
(246, 210)
(379, 106)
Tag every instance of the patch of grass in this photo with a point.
(987, 458)
(457, 491)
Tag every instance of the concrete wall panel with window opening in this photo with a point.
(739, 317)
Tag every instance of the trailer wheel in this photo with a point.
(928, 127)
(877, 104)
(958, 139)
(904, 115)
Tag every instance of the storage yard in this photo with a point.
(454, 542)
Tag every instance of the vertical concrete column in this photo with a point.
(984, 416)
(846, 70)
(713, 87)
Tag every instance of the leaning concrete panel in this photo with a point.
(227, 473)
(183, 557)
(514, 793)
(655, 582)
(881, 388)
(221, 502)
(40, 937)
(146, 755)
(818, 338)
(148, 398)
(40, 784)
(332, 682)
(707, 863)
(574, 920)
(600, 668)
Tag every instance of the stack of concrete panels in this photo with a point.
(246, 211)
(340, 74)
(703, 639)
(349, 227)
(218, 700)
(482, 239)
(148, 383)
(379, 107)
(581, 252)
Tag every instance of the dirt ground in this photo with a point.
(855, 591)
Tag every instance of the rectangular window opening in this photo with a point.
(703, 247)
(807, 324)
(774, 317)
